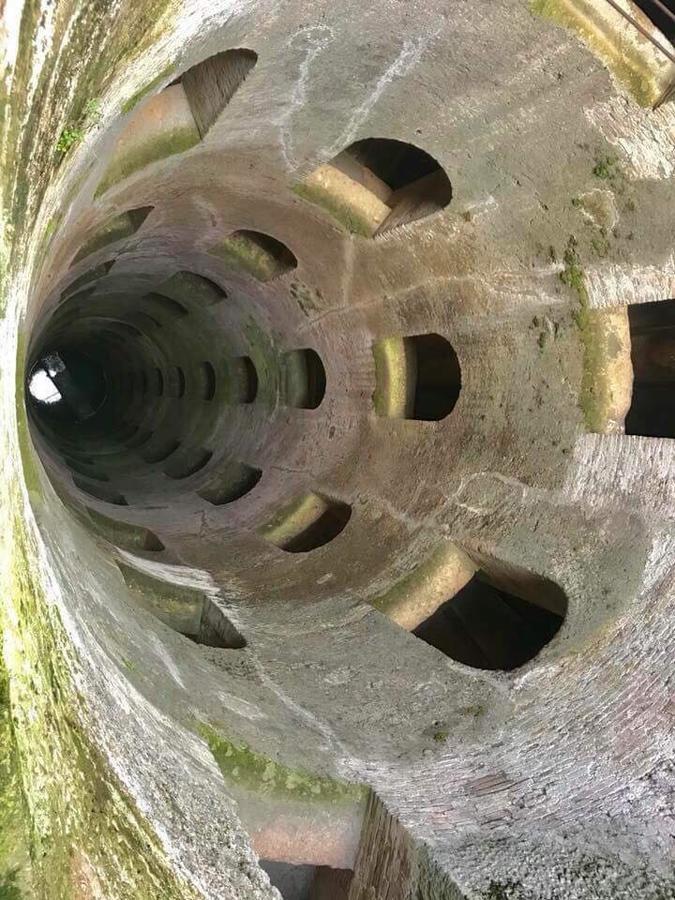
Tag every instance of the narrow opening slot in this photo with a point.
(304, 379)
(308, 882)
(86, 470)
(652, 335)
(100, 491)
(123, 534)
(192, 288)
(234, 482)
(207, 376)
(183, 468)
(185, 610)
(166, 305)
(175, 382)
(417, 377)
(122, 226)
(258, 254)
(163, 126)
(210, 85)
(244, 380)
(142, 437)
(308, 523)
(487, 626)
(161, 452)
(158, 382)
(94, 274)
(145, 322)
(216, 630)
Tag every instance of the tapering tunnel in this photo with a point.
(349, 431)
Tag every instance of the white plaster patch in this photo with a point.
(646, 138)
(10, 29)
(42, 45)
(610, 284)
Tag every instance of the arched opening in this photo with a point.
(378, 184)
(183, 609)
(303, 379)
(244, 380)
(177, 118)
(652, 337)
(307, 524)
(496, 623)
(210, 85)
(417, 377)
(254, 253)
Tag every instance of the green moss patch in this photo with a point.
(346, 215)
(626, 62)
(593, 399)
(87, 838)
(179, 140)
(15, 865)
(116, 229)
(262, 774)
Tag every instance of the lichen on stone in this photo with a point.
(262, 774)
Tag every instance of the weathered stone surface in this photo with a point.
(155, 765)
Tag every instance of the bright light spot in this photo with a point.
(42, 388)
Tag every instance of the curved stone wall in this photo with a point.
(338, 449)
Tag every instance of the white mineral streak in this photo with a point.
(407, 58)
(645, 138)
(10, 28)
(612, 284)
(317, 39)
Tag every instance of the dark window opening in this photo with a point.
(158, 379)
(487, 627)
(310, 523)
(123, 534)
(210, 85)
(233, 483)
(185, 610)
(87, 470)
(100, 491)
(183, 468)
(652, 335)
(308, 882)
(398, 183)
(244, 380)
(145, 322)
(423, 370)
(142, 437)
(190, 287)
(437, 376)
(216, 630)
(161, 452)
(167, 305)
(662, 14)
(304, 379)
(95, 274)
(175, 382)
(259, 254)
(207, 376)
(122, 226)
